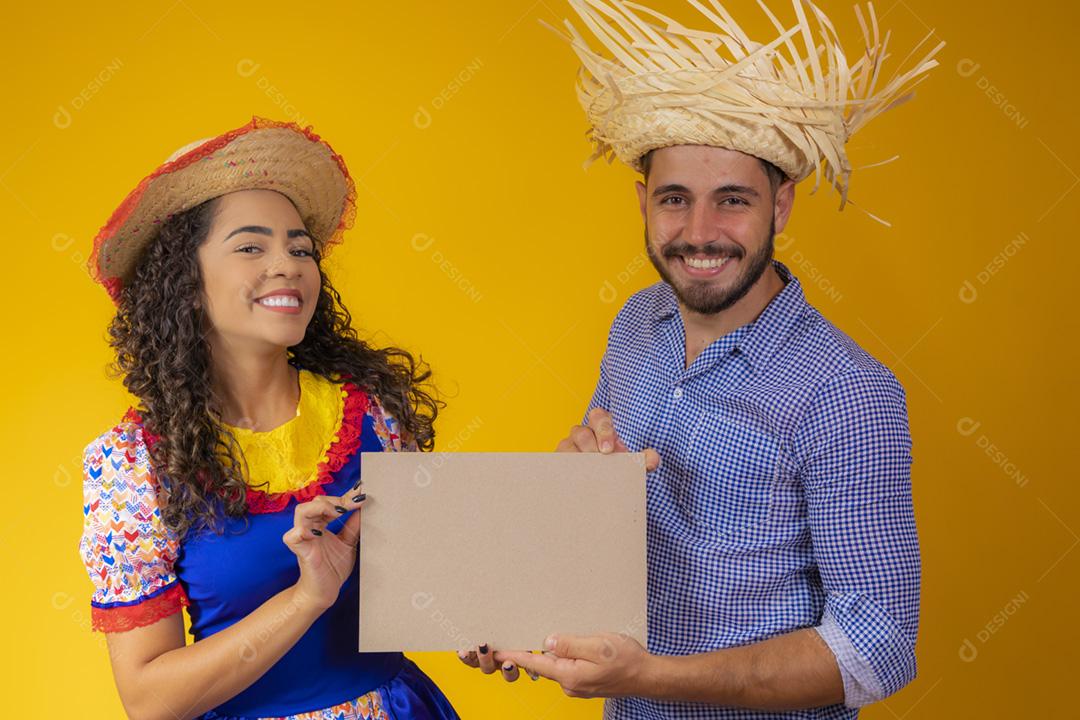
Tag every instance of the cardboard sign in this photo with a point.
(458, 549)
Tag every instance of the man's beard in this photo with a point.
(699, 296)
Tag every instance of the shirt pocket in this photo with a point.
(732, 472)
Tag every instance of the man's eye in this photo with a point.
(672, 200)
(738, 201)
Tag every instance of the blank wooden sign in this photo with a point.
(457, 549)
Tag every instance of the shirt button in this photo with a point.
(678, 393)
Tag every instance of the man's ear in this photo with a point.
(783, 202)
(641, 195)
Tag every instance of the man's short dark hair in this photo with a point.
(775, 174)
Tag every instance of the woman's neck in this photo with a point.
(256, 393)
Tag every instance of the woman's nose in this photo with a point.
(283, 263)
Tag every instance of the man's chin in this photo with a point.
(700, 296)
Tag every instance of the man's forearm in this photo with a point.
(788, 672)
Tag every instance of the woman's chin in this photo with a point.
(281, 339)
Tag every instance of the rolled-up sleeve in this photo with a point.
(856, 469)
(601, 397)
(600, 394)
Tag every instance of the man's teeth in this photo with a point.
(280, 301)
(705, 263)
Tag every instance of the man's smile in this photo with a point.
(704, 266)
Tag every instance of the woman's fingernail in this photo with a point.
(508, 667)
(316, 531)
(340, 509)
(359, 498)
(605, 446)
(483, 649)
(357, 485)
(532, 675)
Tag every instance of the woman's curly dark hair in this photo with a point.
(159, 335)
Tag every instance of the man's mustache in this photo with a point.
(709, 250)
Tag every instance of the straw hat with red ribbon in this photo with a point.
(263, 154)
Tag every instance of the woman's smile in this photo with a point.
(285, 301)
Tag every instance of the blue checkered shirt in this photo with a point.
(783, 496)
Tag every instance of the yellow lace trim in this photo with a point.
(288, 457)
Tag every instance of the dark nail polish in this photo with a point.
(316, 531)
(483, 649)
(340, 509)
(357, 485)
(508, 667)
(359, 498)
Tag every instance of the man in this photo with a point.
(783, 560)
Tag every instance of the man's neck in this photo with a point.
(703, 330)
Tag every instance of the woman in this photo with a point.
(234, 489)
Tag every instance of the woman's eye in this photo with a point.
(302, 251)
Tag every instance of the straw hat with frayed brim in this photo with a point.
(263, 154)
(657, 83)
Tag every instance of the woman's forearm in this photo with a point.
(186, 682)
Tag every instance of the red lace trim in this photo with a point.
(147, 612)
(345, 444)
(113, 285)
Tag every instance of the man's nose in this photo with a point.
(700, 225)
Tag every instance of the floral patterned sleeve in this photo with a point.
(394, 438)
(126, 547)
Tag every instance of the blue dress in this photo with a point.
(223, 578)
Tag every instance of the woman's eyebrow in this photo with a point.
(258, 229)
(263, 230)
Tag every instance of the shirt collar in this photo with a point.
(775, 322)
(757, 340)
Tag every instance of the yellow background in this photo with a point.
(461, 128)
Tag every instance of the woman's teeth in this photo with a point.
(705, 263)
(280, 301)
